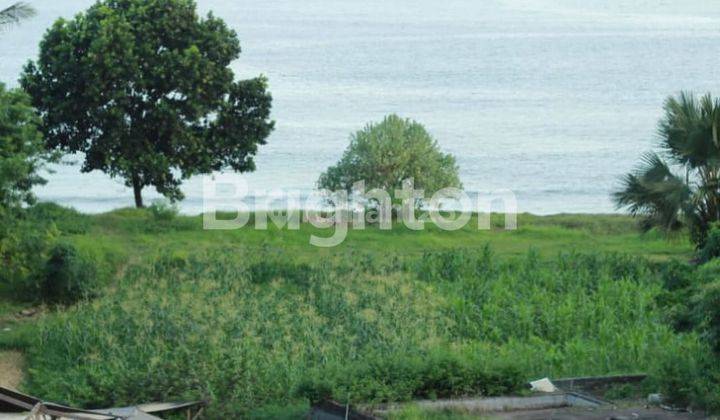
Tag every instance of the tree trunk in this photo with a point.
(137, 190)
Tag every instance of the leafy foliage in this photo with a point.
(22, 153)
(24, 249)
(23, 243)
(385, 154)
(711, 247)
(689, 134)
(708, 313)
(689, 377)
(68, 276)
(144, 90)
(690, 303)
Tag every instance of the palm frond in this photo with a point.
(689, 131)
(15, 13)
(653, 192)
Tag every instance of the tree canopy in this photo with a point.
(679, 186)
(145, 90)
(385, 154)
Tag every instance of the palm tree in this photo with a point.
(680, 186)
(15, 13)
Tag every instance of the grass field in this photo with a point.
(259, 321)
(132, 233)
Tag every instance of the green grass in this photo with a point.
(131, 234)
(413, 412)
(258, 321)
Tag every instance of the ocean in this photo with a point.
(552, 99)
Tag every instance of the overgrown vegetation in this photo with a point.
(247, 331)
(24, 244)
(144, 306)
(261, 323)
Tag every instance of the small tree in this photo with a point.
(23, 244)
(144, 89)
(22, 153)
(690, 142)
(385, 154)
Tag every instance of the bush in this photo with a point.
(711, 248)
(707, 313)
(691, 299)
(24, 249)
(688, 377)
(22, 149)
(163, 210)
(675, 274)
(679, 280)
(313, 390)
(707, 273)
(68, 276)
(440, 373)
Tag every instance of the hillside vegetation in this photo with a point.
(260, 323)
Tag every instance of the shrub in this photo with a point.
(163, 210)
(68, 276)
(23, 245)
(24, 249)
(384, 377)
(22, 151)
(691, 299)
(679, 280)
(313, 390)
(688, 377)
(675, 274)
(707, 313)
(711, 248)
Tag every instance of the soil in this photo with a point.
(11, 369)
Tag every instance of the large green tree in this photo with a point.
(144, 89)
(383, 155)
(680, 186)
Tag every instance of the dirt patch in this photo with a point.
(11, 368)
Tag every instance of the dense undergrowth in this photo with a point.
(145, 305)
(260, 329)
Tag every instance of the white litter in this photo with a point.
(543, 385)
